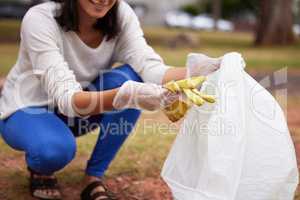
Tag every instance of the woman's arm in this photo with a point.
(131, 48)
(93, 103)
(40, 35)
(131, 94)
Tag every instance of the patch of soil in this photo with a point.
(294, 117)
(127, 188)
(146, 189)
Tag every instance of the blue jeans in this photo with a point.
(48, 138)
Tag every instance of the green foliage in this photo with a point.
(192, 9)
(232, 8)
(229, 8)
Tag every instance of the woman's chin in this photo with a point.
(97, 14)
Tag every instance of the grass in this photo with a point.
(8, 57)
(9, 29)
(217, 44)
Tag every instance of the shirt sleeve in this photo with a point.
(132, 48)
(40, 36)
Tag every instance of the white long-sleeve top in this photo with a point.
(53, 64)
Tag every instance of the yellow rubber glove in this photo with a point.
(189, 83)
(189, 87)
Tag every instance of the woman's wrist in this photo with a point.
(175, 73)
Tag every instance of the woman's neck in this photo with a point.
(86, 22)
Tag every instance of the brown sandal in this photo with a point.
(39, 186)
(105, 194)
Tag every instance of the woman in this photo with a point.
(62, 86)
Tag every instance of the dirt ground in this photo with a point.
(127, 188)
(153, 188)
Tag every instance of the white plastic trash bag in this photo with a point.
(237, 149)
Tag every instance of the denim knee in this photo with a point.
(51, 157)
(130, 73)
(118, 76)
(114, 78)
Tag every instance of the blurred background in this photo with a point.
(266, 32)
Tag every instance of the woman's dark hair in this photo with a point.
(68, 19)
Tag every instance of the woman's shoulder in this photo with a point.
(41, 17)
(125, 11)
(44, 11)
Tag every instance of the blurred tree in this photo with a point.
(275, 23)
(296, 11)
(224, 8)
(193, 8)
(231, 8)
(216, 11)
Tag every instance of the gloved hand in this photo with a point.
(201, 65)
(146, 96)
(189, 87)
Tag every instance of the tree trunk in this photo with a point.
(2, 79)
(275, 23)
(216, 7)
